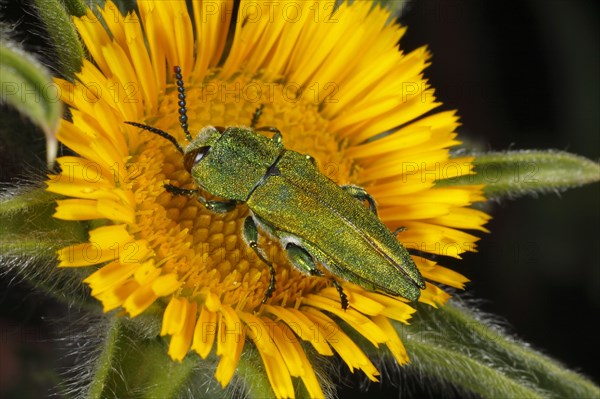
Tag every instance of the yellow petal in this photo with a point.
(113, 274)
(205, 332)
(166, 284)
(77, 209)
(362, 324)
(433, 295)
(296, 360)
(180, 342)
(139, 300)
(229, 345)
(115, 296)
(303, 327)
(350, 353)
(393, 343)
(175, 316)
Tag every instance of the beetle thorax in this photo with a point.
(235, 163)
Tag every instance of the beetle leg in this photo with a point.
(256, 115)
(303, 261)
(180, 191)
(399, 230)
(340, 290)
(217, 206)
(277, 138)
(362, 195)
(251, 237)
(311, 159)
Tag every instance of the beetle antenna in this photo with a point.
(182, 105)
(161, 133)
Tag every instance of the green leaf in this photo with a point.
(514, 174)
(62, 34)
(29, 239)
(28, 87)
(76, 8)
(456, 346)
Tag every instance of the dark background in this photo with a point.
(523, 75)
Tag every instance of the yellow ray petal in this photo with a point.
(229, 345)
(109, 276)
(395, 307)
(433, 295)
(77, 209)
(205, 332)
(277, 370)
(293, 353)
(393, 343)
(356, 320)
(139, 300)
(211, 32)
(174, 317)
(115, 296)
(166, 284)
(302, 326)
(180, 342)
(352, 355)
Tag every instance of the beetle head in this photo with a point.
(199, 146)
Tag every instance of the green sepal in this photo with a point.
(459, 348)
(134, 362)
(76, 8)
(395, 7)
(62, 34)
(29, 240)
(513, 174)
(27, 86)
(124, 6)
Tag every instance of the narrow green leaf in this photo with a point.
(76, 8)
(513, 174)
(396, 7)
(28, 87)
(62, 35)
(460, 348)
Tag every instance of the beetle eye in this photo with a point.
(192, 158)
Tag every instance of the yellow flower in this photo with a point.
(331, 82)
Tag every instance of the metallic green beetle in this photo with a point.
(289, 198)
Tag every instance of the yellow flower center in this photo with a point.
(206, 249)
